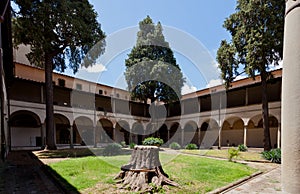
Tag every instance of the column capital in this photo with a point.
(290, 5)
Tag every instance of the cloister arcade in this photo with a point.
(96, 129)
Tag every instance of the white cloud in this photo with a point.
(95, 68)
(275, 67)
(186, 89)
(214, 82)
(239, 77)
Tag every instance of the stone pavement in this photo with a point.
(22, 174)
(266, 183)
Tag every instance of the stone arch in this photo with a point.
(84, 130)
(175, 133)
(26, 129)
(255, 131)
(163, 133)
(191, 133)
(122, 132)
(105, 131)
(232, 132)
(137, 133)
(62, 129)
(273, 125)
(209, 133)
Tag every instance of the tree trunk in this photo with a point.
(265, 112)
(144, 171)
(50, 141)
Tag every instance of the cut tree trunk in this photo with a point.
(144, 171)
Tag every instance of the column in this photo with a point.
(220, 138)
(199, 136)
(279, 136)
(71, 137)
(290, 123)
(43, 132)
(95, 139)
(168, 136)
(182, 137)
(245, 135)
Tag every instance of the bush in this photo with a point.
(131, 145)
(273, 155)
(174, 146)
(191, 146)
(232, 152)
(242, 148)
(153, 141)
(112, 149)
(123, 144)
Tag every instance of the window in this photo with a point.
(61, 82)
(100, 92)
(78, 86)
(118, 95)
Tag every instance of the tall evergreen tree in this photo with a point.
(151, 68)
(60, 33)
(257, 43)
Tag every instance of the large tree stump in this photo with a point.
(143, 171)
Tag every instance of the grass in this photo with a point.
(74, 153)
(194, 174)
(248, 156)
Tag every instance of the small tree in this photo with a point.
(59, 33)
(151, 68)
(257, 43)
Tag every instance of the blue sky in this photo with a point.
(193, 28)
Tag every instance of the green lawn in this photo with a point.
(249, 155)
(194, 174)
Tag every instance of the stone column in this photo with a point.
(291, 100)
(279, 136)
(245, 135)
(71, 137)
(182, 137)
(168, 136)
(95, 135)
(220, 138)
(43, 133)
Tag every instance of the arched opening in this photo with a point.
(84, 127)
(62, 129)
(175, 133)
(26, 129)
(273, 125)
(106, 131)
(122, 132)
(209, 134)
(232, 134)
(191, 134)
(255, 134)
(137, 133)
(163, 133)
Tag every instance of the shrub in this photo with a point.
(232, 152)
(174, 146)
(242, 148)
(123, 144)
(131, 145)
(112, 149)
(191, 146)
(273, 155)
(153, 141)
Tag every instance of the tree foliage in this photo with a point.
(151, 68)
(60, 33)
(257, 43)
(62, 29)
(257, 38)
